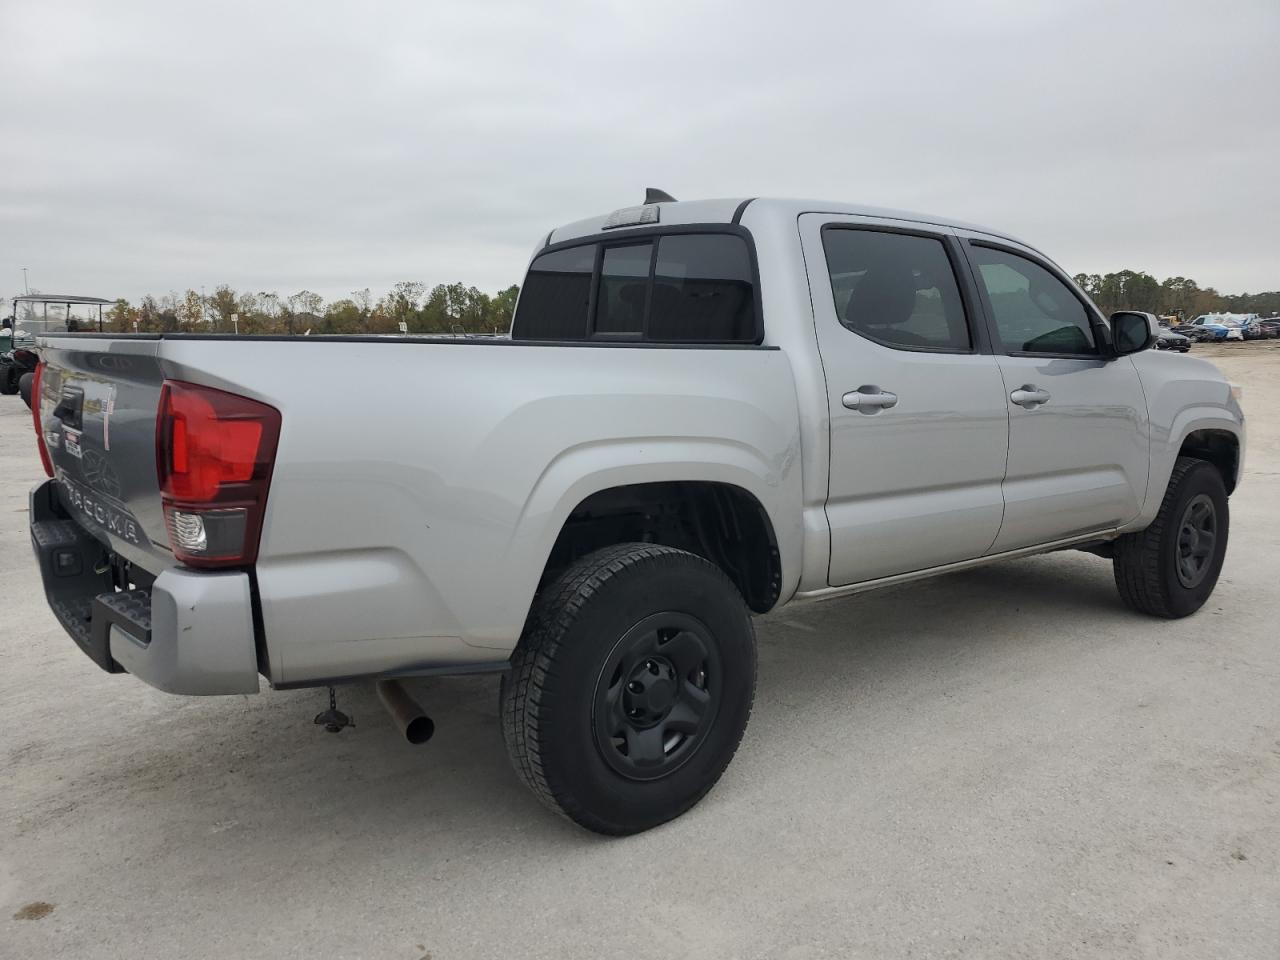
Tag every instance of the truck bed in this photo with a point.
(419, 483)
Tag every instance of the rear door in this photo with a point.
(919, 425)
(1078, 439)
(98, 403)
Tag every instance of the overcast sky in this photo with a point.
(148, 147)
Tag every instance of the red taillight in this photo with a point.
(35, 418)
(214, 454)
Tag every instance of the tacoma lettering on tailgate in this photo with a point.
(99, 511)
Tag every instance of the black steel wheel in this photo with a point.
(1197, 540)
(632, 685)
(1170, 568)
(657, 695)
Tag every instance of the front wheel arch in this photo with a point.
(1218, 447)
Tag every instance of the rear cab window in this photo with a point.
(692, 286)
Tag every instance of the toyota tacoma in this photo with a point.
(704, 410)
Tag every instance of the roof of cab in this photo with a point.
(723, 211)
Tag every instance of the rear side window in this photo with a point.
(897, 289)
(702, 290)
(686, 287)
(556, 296)
(1034, 311)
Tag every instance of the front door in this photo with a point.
(918, 420)
(1079, 447)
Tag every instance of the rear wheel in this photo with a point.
(631, 687)
(9, 379)
(1170, 568)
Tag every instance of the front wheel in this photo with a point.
(1170, 568)
(631, 687)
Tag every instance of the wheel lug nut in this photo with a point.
(635, 687)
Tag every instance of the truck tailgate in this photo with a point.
(97, 407)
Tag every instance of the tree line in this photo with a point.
(1173, 296)
(457, 308)
(445, 308)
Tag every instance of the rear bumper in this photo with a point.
(188, 633)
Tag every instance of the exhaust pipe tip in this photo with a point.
(413, 722)
(419, 729)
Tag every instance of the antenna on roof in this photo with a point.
(654, 195)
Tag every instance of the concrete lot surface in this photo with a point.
(999, 763)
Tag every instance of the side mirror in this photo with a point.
(1132, 331)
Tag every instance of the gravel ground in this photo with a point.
(999, 763)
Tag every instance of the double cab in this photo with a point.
(704, 410)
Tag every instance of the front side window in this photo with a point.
(1034, 311)
(556, 296)
(897, 289)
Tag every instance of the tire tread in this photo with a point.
(525, 703)
(1137, 555)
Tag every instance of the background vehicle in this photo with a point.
(1270, 327)
(1214, 325)
(1168, 340)
(38, 313)
(1247, 324)
(13, 363)
(1221, 327)
(705, 410)
(1198, 334)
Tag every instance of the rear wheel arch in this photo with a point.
(721, 522)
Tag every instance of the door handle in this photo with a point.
(1029, 396)
(869, 399)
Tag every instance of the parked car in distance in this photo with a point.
(1168, 340)
(1270, 327)
(705, 410)
(1197, 334)
(1212, 324)
(1246, 323)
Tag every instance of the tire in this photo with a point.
(631, 688)
(8, 380)
(1163, 570)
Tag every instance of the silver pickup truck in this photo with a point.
(705, 410)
